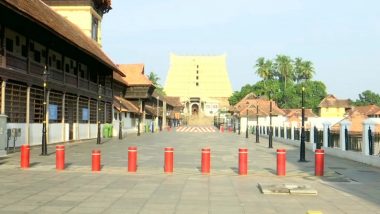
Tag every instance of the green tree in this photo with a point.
(303, 70)
(154, 78)
(284, 69)
(264, 68)
(368, 97)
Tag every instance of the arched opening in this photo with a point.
(194, 109)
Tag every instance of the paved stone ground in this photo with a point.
(348, 187)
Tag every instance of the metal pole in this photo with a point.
(257, 123)
(270, 123)
(302, 146)
(120, 130)
(246, 130)
(44, 140)
(98, 139)
(239, 125)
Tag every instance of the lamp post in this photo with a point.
(44, 138)
(246, 129)
(302, 146)
(239, 123)
(98, 140)
(270, 121)
(139, 119)
(120, 130)
(158, 102)
(257, 122)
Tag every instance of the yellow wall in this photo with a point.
(332, 112)
(82, 17)
(212, 75)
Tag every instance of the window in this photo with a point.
(55, 99)
(93, 104)
(94, 30)
(83, 110)
(197, 84)
(15, 97)
(197, 77)
(9, 45)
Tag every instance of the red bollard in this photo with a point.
(96, 160)
(243, 161)
(281, 162)
(60, 157)
(169, 156)
(319, 162)
(25, 156)
(132, 159)
(205, 162)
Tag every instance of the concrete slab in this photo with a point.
(287, 189)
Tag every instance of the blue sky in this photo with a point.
(341, 38)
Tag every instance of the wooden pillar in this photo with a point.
(27, 119)
(63, 118)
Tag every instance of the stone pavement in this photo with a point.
(348, 187)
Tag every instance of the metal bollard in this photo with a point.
(132, 159)
(205, 161)
(319, 162)
(243, 161)
(25, 156)
(96, 156)
(281, 162)
(169, 156)
(60, 157)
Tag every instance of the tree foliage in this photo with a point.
(282, 81)
(367, 98)
(154, 78)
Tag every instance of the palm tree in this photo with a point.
(284, 68)
(303, 70)
(264, 68)
(154, 78)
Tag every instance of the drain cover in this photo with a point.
(287, 189)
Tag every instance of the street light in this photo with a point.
(98, 140)
(120, 130)
(246, 129)
(139, 119)
(44, 138)
(270, 121)
(302, 146)
(257, 122)
(158, 102)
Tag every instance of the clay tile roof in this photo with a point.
(298, 112)
(367, 110)
(42, 14)
(134, 75)
(173, 101)
(331, 101)
(126, 106)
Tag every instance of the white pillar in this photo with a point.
(27, 119)
(88, 119)
(3, 84)
(164, 114)
(312, 136)
(343, 125)
(77, 119)
(369, 123)
(285, 130)
(326, 125)
(293, 124)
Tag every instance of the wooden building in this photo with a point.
(79, 80)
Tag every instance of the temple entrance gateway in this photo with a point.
(194, 109)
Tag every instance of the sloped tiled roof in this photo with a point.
(331, 101)
(298, 112)
(263, 107)
(134, 75)
(42, 14)
(173, 101)
(367, 110)
(126, 106)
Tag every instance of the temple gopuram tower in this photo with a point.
(201, 82)
(86, 14)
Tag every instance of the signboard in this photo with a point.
(85, 115)
(53, 112)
